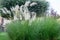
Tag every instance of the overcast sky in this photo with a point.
(55, 4)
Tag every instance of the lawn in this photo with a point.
(4, 36)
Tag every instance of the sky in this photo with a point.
(55, 4)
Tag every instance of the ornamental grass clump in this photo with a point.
(40, 29)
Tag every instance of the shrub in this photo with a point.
(45, 29)
(16, 30)
(40, 29)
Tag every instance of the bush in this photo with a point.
(45, 29)
(40, 29)
(17, 30)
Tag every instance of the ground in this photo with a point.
(4, 36)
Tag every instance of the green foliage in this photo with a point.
(5, 15)
(9, 3)
(38, 0)
(4, 36)
(18, 30)
(40, 8)
(40, 29)
(47, 29)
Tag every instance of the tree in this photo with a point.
(9, 3)
(40, 8)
